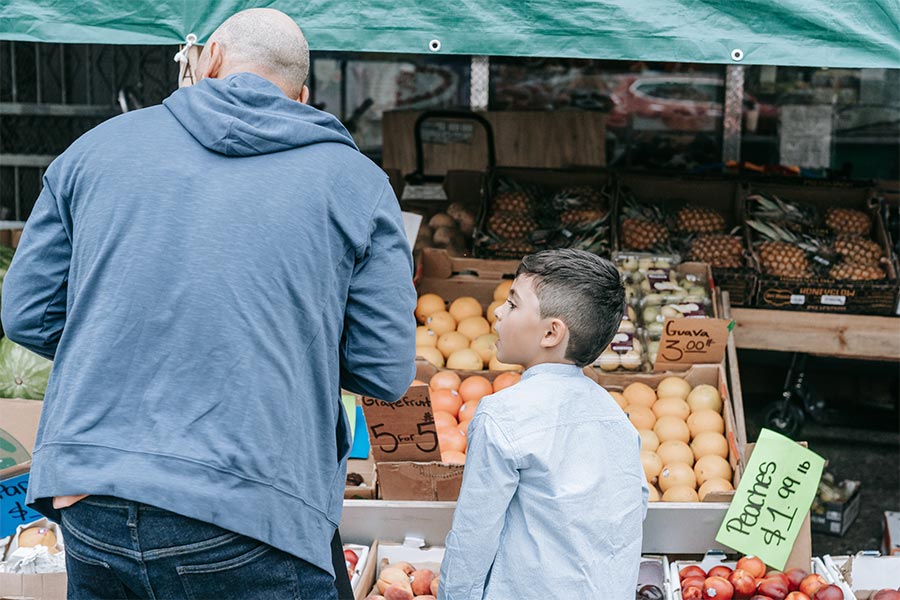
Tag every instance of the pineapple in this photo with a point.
(719, 250)
(856, 272)
(512, 201)
(848, 221)
(697, 219)
(857, 250)
(579, 197)
(641, 234)
(783, 259)
(576, 216)
(511, 226)
(515, 248)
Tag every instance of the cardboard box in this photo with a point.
(891, 544)
(696, 375)
(19, 421)
(716, 558)
(365, 468)
(411, 550)
(406, 452)
(864, 574)
(11, 233)
(41, 586)
(359, 578)
(717, 193)
(835, 518)
(821, 294)
(450, 277)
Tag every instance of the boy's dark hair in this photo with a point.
(582, 290)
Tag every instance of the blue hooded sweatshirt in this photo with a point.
(207, 275)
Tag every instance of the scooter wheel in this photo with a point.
(787, 420)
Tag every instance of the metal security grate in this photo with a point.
(50, 94)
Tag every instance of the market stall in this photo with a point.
(774, 263)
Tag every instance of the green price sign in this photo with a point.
(772, 499)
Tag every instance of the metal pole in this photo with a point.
(37, 72)
(479, 83)
(733, 114)
(62, 72)
(12, 71)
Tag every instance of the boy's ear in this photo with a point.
(555, 334)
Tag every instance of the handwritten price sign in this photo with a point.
(403, 430)
(692, 341)
(772, 499)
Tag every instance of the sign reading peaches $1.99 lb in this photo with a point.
(772, 499)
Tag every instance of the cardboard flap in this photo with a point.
(688, 342)
(403, 430)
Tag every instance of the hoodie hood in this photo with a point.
(245, 115)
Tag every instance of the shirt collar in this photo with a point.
(553, 369)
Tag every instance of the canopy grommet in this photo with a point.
(737, 55)
(434, 45)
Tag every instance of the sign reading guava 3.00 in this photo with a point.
(772, 499)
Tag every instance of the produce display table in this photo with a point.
(842, 336)
(673, 528)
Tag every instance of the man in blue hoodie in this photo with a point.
(206, 275)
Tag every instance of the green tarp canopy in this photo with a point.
(832, 33)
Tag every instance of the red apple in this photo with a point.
(797, 596)
(795, 576)
(831, 592)
(753, 565)
(744, 583)
(351, 558)
(717, 588)
(720, 571)
(693, 582)
(692, 593)
(811, 584)
(759, 597)
(887, 595)
(781, 576)
(691, 571)
(775, 588)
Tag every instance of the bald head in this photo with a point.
(263, 41)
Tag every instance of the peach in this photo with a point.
(434, 585)
(390, 576)
(421, 582)
(397, 592)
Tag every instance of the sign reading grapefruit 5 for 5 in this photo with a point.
(772, 499)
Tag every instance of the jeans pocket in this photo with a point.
(262, 573)
(91, 578)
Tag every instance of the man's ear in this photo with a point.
(213, 65)
(556, 333)
(304, 95)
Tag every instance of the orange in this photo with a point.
(467, 410)
(464, 426)
(465, 307)
(427, 305)
(445, 380)
(443, 420)
(504, 380)
(453, 457)
(446, 400)
(474, 388)
(452, 439)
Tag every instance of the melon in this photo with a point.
(23, 374)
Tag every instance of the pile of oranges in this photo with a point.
(453, 402)
(460, 336)
(684, 450)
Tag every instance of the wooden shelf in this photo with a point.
(843, 336)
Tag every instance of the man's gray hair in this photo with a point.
(269, 40)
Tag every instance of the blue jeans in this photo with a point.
(121, 549)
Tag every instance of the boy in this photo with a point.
(554, 495)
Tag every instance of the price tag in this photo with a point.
(403, 430)
(772, 500)
(13, 511)
(692, 341)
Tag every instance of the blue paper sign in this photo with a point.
(13, 511)
(360, 437)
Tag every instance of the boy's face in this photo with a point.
(519, 324)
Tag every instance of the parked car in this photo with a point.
(681, 103)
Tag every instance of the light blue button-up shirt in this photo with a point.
(553, 496)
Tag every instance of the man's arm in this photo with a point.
(35, 288)
(490, 480)
(378, 348)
